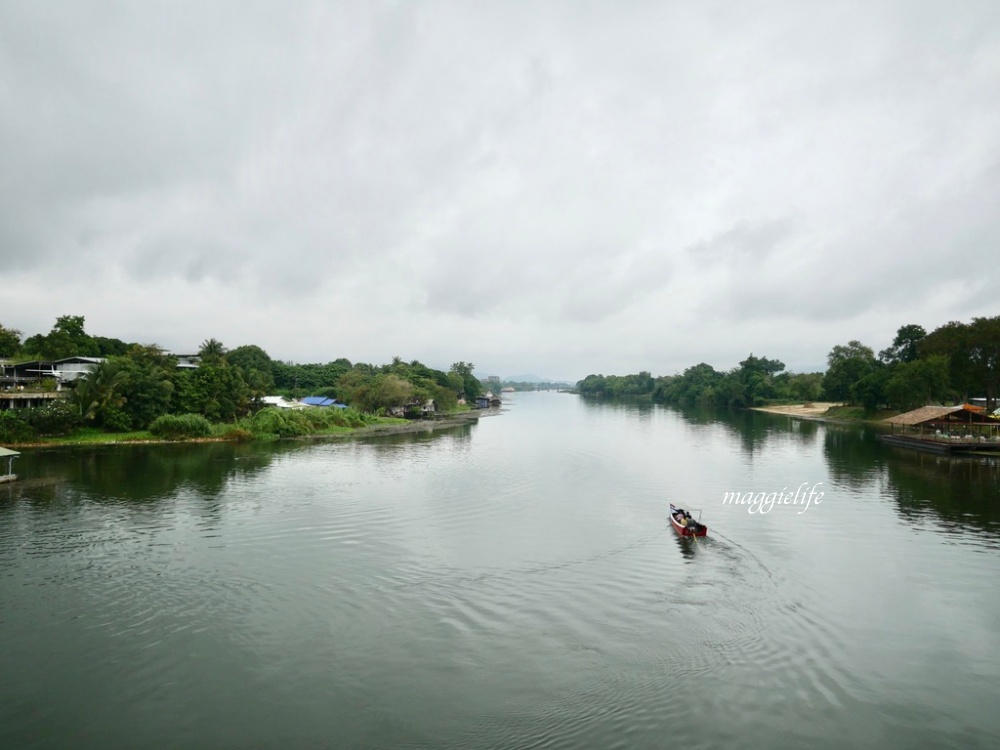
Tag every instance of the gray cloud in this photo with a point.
(563, 187)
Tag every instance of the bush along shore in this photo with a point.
(265, 425)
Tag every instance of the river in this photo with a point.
(511, 583)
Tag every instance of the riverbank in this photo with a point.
(416, 425)
(394, 427)
(825, 411)
(815, 410)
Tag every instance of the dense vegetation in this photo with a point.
(139, 387)
(950, 364)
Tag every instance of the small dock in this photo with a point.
(940, 446)
(9, 455)
(944, 430)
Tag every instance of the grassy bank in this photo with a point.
(266, 425)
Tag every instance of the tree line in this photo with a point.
(951, 364)
(136, 384)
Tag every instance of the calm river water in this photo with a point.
(508, 584)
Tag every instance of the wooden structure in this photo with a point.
(944, 429)
(6, 454)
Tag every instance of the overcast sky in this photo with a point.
(561, 188)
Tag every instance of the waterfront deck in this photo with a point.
(941, 445)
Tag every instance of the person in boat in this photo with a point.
(682, 516)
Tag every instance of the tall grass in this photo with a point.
(272, 423)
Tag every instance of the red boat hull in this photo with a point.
(702, 530)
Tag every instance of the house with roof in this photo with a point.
(322, 401)
(7, 455)
(944, 429)
(64, 370)
(187, 361)
(280, 402)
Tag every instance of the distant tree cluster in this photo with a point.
(137, 384)
(756, 381)
(952, 363)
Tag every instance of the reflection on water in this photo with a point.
(960, 490)
(508, 583)
(141, 473)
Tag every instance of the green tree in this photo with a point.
(984, 354)
(847, 364)
(147, 383)
(906, 346)
(257, 369)
(756, 376)
(918, 383)
(100, 390)
(371, 394)
(10, 341)
(952, 340)
(66, 339)
(215, 390)
(471, 385)
(212, 350)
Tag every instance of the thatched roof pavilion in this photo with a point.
(941, 415)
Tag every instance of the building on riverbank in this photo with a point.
(944, 429)
(7, 456)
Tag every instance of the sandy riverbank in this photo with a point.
(811, 410)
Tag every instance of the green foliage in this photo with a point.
(848, 364)
(213, 389)
(111, 347)
(212, 350)
(617, 386)
(179, 426)
(302, 380)
(66, 339)
(470, 383)
(905, 347)
(115, 419)
(984, 354)
(127, 392)
(382, 392)
(257, 369)
(916, 383)
(272, 423)
(14, 428)
(147, 384)
(10, 341)
(58, 417)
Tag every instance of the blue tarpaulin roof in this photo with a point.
(322, 401)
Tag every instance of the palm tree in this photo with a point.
(212, 349)
(100, 389)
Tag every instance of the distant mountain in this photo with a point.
(529, 378)
(524, 379)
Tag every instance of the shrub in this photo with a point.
(238, 435)
(13, 427)
(179, 426)
(55, 418)
(115, 419)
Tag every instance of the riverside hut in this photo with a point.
(7, 456)
(941, 429)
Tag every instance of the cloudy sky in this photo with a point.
(561, 188)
